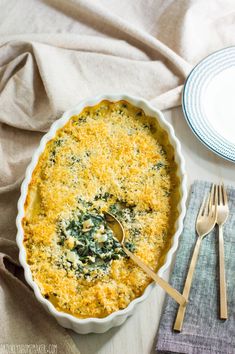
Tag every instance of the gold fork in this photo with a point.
(206, 220)
(222, 215)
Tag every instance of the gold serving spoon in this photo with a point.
(119, 233)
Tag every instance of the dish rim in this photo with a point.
(185, 94)
(59, 123)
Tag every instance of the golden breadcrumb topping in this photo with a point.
(111, 157)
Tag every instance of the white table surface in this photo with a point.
(138, 334)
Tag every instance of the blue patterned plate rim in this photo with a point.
(192, 105)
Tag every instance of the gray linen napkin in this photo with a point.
(203, 332)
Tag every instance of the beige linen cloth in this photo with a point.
(53, 53)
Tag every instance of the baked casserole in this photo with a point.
(110, 157)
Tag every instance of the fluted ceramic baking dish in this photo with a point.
(99, 325)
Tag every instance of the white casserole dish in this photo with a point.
(100, 325)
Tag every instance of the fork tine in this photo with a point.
(220, 199)
(212, 199)
(224, 194)
(206, 209)
(216, 200)
(202, 206)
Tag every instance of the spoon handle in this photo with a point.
(161, 282)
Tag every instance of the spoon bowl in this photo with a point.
(115, 226)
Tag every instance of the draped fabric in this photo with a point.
(53, 53)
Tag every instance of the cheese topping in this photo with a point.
(111, 157)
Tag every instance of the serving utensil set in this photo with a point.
(214, 210)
